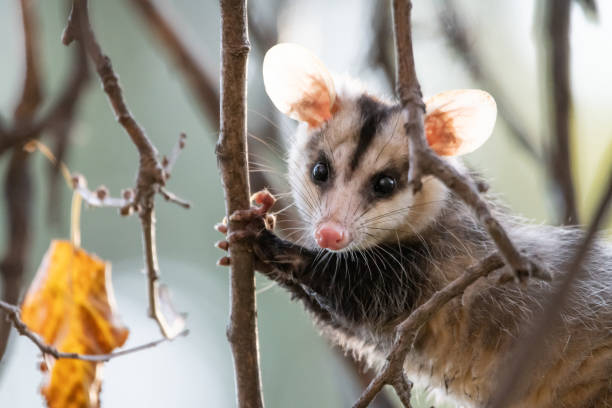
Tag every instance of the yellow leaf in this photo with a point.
(70, 304)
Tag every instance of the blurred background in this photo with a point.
(299, 369)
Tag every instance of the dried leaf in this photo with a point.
(173, 322)
(71, 306)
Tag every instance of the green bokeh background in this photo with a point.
(298, 368)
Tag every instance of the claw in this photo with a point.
(245, 215)
(264, 199)
(222, 228)
(225, 261)
(224, 245)
(241, 235)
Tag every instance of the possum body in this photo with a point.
(371, 251)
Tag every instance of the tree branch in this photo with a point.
(232, 159)
(151, 175)
(392, 373)
(530, 346)
(14, 316)
(557, 22)
(18, 185)
(425, 162)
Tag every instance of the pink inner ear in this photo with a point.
(315, 105)
(441, 133)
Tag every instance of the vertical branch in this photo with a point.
(151, 174)
(558, 49)
(232, 159)
(17, 192)
(18, 188)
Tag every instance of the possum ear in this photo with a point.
(458, 122)
(298, 84)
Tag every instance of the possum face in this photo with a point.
(350, 178)
(349, 161)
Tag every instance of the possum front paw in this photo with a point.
(256, 219)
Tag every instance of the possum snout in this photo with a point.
(332, 235)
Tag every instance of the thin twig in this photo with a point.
(14, 315)
(232, 160)
(392, 373)
(557, 21)
(98, 198)
(151, 175)
(169, 161)
(459, 39)
(171, 197)
(531, 345)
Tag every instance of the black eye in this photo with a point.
(384, 185)
(320, 172)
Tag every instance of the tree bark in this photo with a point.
(232, 160)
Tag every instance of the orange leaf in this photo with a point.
(70, 304)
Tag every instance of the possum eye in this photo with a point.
(320, 172)
(384, 186)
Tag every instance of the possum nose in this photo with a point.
(331, 235)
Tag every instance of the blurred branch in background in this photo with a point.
(557, 26)
(152, 175)
(18, 184)
(381, 48)
(202, 85)
(531, 344)
(18, 181)
(557, 50)
(461, 40)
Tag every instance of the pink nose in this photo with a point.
(331, 235)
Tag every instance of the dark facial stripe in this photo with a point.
(373, 114)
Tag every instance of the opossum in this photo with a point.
(372, 250)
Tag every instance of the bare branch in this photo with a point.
(171, 197)
(459, 39)
(151, 175)
(232, 159)
(14, 316)
(426, 162)
(363, 377)
(557, 22)
(392, 373)
(531, 345)
(99, 197)
(169, 161)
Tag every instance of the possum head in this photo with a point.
(349, 160)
